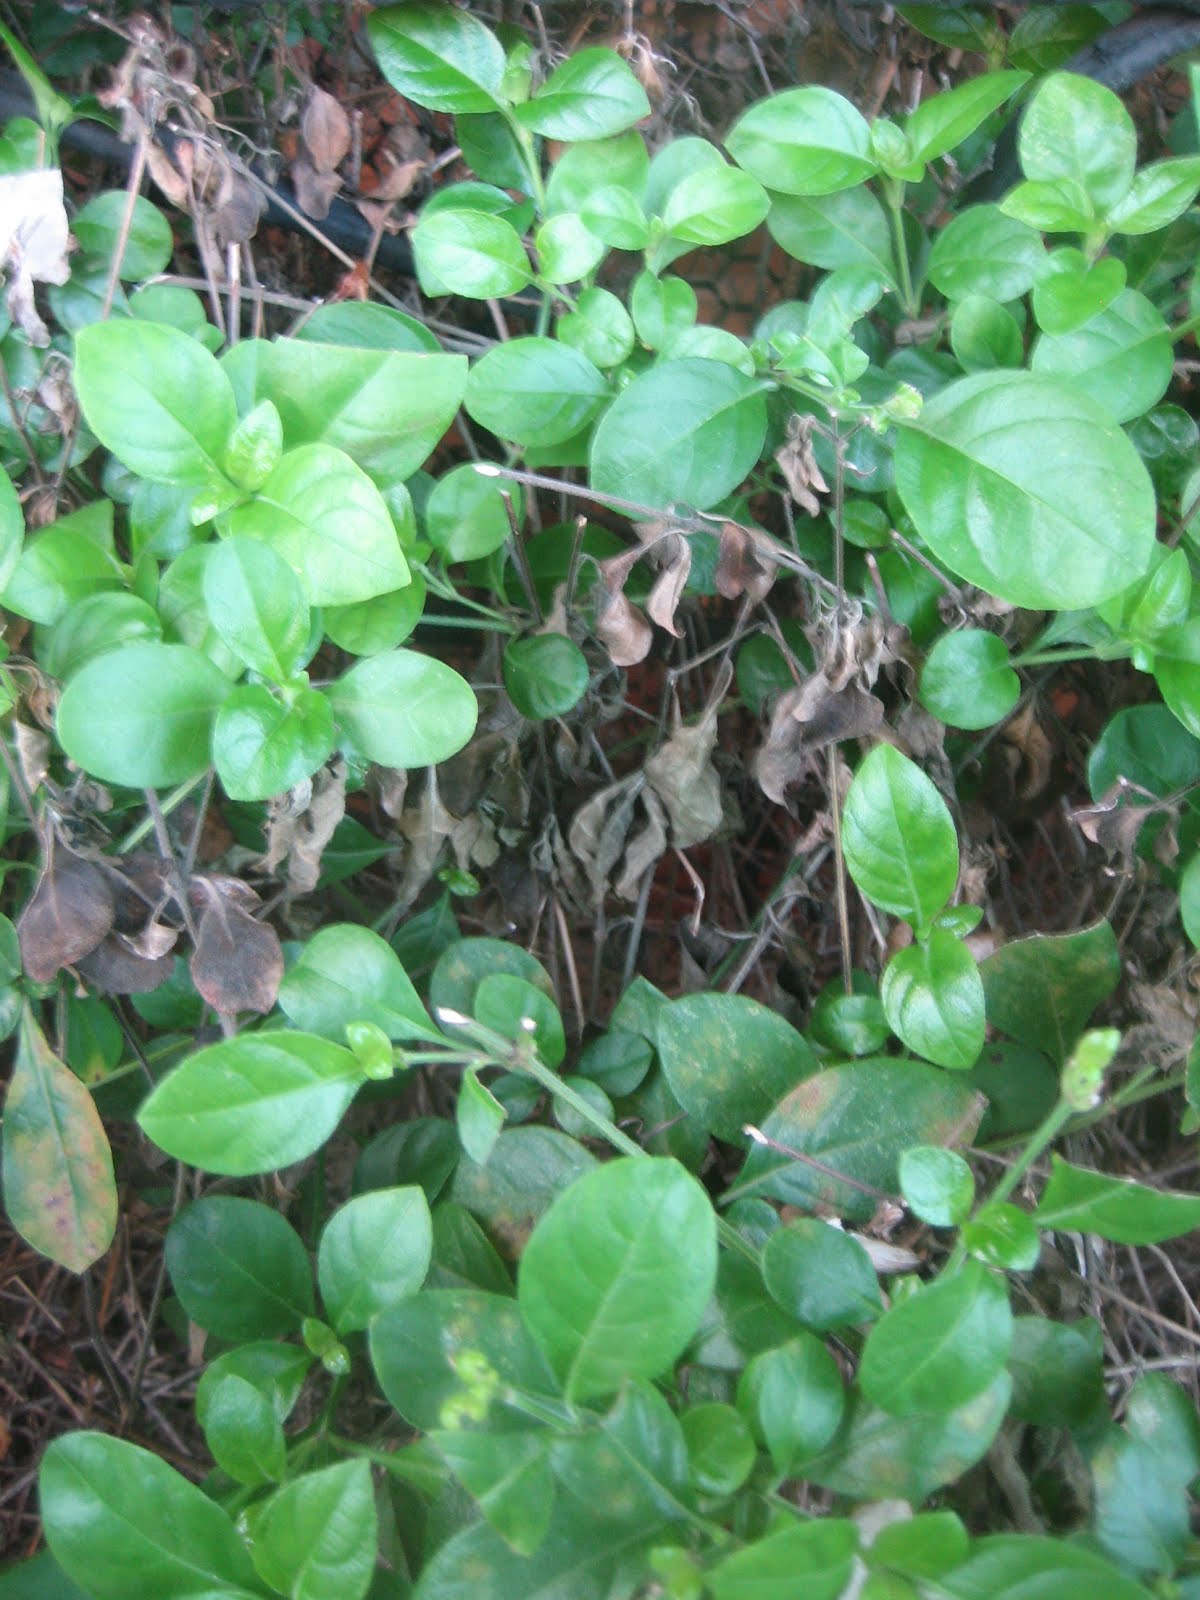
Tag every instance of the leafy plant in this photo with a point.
(663, 1346)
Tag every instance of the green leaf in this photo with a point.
(478, 1116)
(632, 1470)
(469, 253)
(95, 625)
(1002, 1235)
(586, 167)
(1025, 1567)
(662, 307)
(1043, 989)
(846, 229)
(937, 1185)
(369, 627)
(600, 328)
(262, 746)
(939, 1347)
(122, 1522)
(546, 675)
(1160, 1413)
(157, 399)
(1141, 1511)
(243, 1433)
(534, 390)
(239, 1268)
(1075, 128)
(1072, 290)
(329, 523)
(933, 998)
(386, 409)
(257, 606)
(720, 1448)
(1026, 487)
(442, 59)
(729, 1060)
(793, 1397)
(684, 432)
(967, 680)
(346, 973)
(374, 1251)
(566, 249)
(983, 335)
(255, 446)
(616, 217)
(983, 251)
(143, 715)
(100, 227)
(715, 205)
(507, 1004)
(59, 1190)
(64, 563)
(856, 1120)
(252, 1104)
(924, 1546)
(12, 531)
(1078, 1201)
(821, 1275)
(591, 95)
(898, 836)
(820, 1552)
(1058, 206)
(402, 709)
(1123, 355)
(466, 517)
(804, 141)
(1058, 1371)
(945, 120)
(1160, 192)
(1046, 37)
(316, 1538)
(604, 1286)
(275, 1369)
(508, 1475)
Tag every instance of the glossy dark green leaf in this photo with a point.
(793, 1397)
(593, 94)
(821, 1275)
(479, 1118)
(983, 335)
(720, 1447)
(933, 997)
(604, 1286)
(804, 141)
(423, 1151)
(403, 709)
(315, 1539)
(346, 973)
(820, 1553)
(463, 1255)
(239, 1268)
(443, 59)
(1043, 989)
(967, 680)
(252, 1104)
(1002, 1235)
(1078, 1201)
(546, 675)
(1057, 1369)
(526, 1171)
(937, 1185)
(899, 840)
(275, 1369)
(121, 1522)
(631, 1471)
(374, 1251)
(849, 1024)
(729, 1059)
(924, 1546)
(466, 517)
(514, 1007)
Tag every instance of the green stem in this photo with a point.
(176, 797)
(1044, 1134)
(894, 195)
(416, 1463)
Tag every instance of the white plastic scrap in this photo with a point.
(33, 243)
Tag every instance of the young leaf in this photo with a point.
(1075, 128)
(239, 1268)
(122, 1522)
(933, 997)
(374, 1251)
(469, 253)
(316, 1538)
(1160, 192)
(945, 120)
(937, 1184)
(805, 141)
(898, 836)
(720, 1448)
(1078, 1201)
(66, 562)
(967, 680)
(605, 1287)
(546, 675)
(275, 1369)
(257, 606)
(591, 95)
(346, 973)
(1027, 488)
(59, 1189)
(403, 709)
(479, 1117)
(940, 1347)
(442, 59)
(252, 1104)
(538, 391)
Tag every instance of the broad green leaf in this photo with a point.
(508, 1475)
(527, 1170)
(662, 307)
(616, 217)
(940, 1347)
(142, 716)
(463, 966)
(1043, 989)
(924, 1546)
(239, 1268)
(591, 95)
(443, 59)
(59, 1190)
(275, 1369)
(983, 251)
(875, 1453)
(387, 409)
(466, 517)
(63, 564)
(600, 328)
(720, 1447)
(145, 240)
(938, 1185)
(715, 205)
(366, 325)
(566, 249)
(157, 399)
(821, 1275)
(329, 522)
(419, 1344)
(546, 675)
(967, 680)
(1027, 1567)
(1077, 129)
(631, 1470)
(1160, 1413)
(252, 1104)
(1056, 205)
(369, 627)
(1072, 290)
(346, 973)
(1123, 356)
(508, 1004)
(583, 168)
(374, 1251)
(243, 1433)
(1058, 1371)
(804, 141)
(933, 997)
(95, 625)
(316, 1538)
(257, 606)
(1025, 487)
(1002, 1235)
(898, 836)
(535, 390)
(685, 431)
(1160, 192)
(945, 120)
(856, 1120)
(469, 253)
(263, 745)
(984, 335)
(819, 1553)
(846, 229)
(12, 530)
(792, 1394)
(463, 1255)
(605, 1287)
(729, 1060)
(1078, 1201)
(1047, 36)
(121, 1522)
(402, 709)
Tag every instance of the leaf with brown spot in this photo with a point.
(237, 964)
(325, 129)
(71, 911)
(59, 1188)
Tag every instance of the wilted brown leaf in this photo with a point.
(683, 776)
(644, 848)
(799, 466)
(301, 823)
(71, 911)
(743, 566)
(805, 720)
(1111, 824)
(325, 129)
(237, 964)
(33, 243)
(115, 967)
(674, 555)
(622, 629)
(315, 190)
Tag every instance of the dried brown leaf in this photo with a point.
(71, 911)
(301, 823)
(742, 567)
(115, 968)
(600, 828)
(325, 129)
(644, 848)
(683, 776)
(33, 753)
(799, 466)
(675, 555)
(33, 243)
(237, 964)
(807, 719)
(315, 190)
(622, 629)
(1112, 824)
